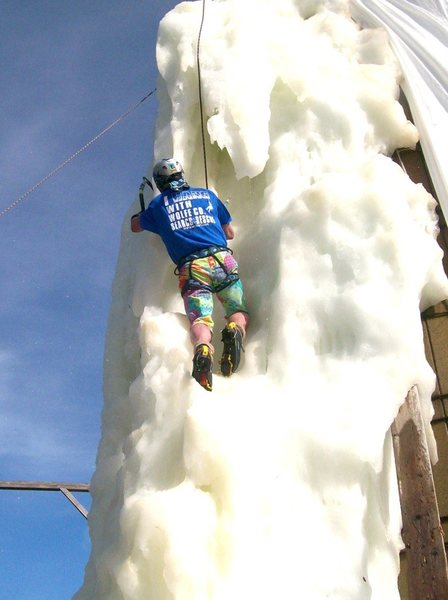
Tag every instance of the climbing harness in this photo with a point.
(201, 108)
(73, 156)
(195, 283)
(210, 251)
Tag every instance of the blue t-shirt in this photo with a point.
(187, 221)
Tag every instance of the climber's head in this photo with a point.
(169, 175)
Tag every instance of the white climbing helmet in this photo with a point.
(169, 174)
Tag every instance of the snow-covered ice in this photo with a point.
(281, 482)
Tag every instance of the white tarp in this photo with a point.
(418, 32)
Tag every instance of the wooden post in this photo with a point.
(422, 532)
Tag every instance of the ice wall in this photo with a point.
(280, 483)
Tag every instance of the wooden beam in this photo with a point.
(44, 486)
(422, 531)
(51, 486)
(75, 502)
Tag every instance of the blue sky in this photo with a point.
(69, 68)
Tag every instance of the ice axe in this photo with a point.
(142, 189)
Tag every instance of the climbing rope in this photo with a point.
(52, 173)
(70, 158)
(201, 109)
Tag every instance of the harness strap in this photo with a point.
(231, 278)
(195, 284)
(211, 251)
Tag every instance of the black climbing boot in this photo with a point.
(233, 344)
(202, 366)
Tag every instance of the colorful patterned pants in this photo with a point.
(199, 280)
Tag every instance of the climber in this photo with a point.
(194, 226)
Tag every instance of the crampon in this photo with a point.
(233, 344)
(202, 366)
